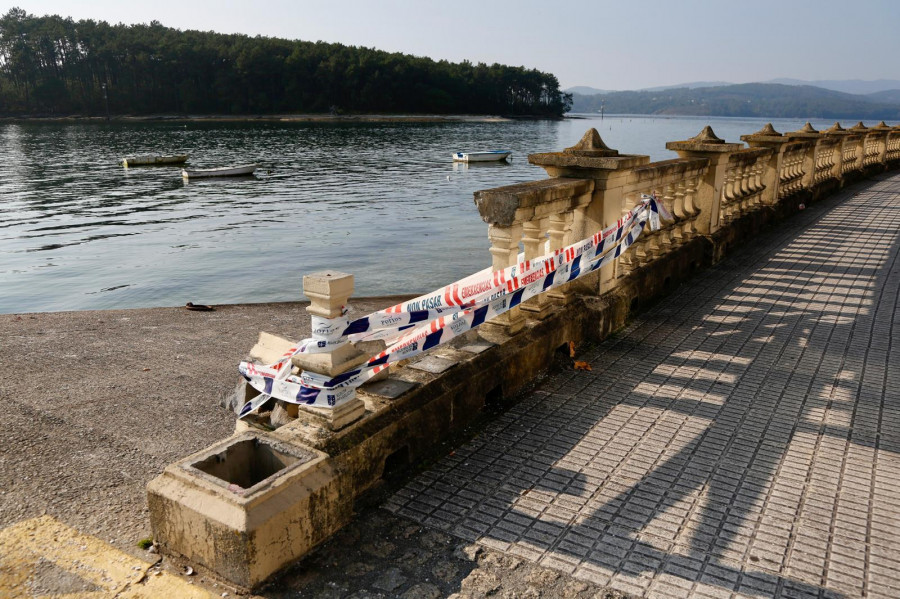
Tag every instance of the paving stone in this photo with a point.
(739, 437)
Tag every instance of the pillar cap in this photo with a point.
(705, 141)
(330, 283)
(804, 132)
(766, 135)
(836, 129)
(591, 144)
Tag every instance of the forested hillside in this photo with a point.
(53, 65)
(748, 99)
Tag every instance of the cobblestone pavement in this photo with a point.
(738, 440)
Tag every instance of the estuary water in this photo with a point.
(383, 201)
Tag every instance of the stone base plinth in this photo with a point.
(339, 416)
(247, 506)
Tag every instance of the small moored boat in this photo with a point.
(481, 156)
(228, 171)
(153, 160)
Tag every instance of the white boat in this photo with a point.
(481, 156)
(228, 171)
(153, 160)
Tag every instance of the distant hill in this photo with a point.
(586, 91)
(691, 85)
(747, 99)
(888, 96)
(848, 86)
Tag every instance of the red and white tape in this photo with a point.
(443, 314)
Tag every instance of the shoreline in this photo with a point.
(275, 118)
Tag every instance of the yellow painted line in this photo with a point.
(32, 548)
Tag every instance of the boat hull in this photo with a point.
(231, 171)
(153, 160)
(481, 156)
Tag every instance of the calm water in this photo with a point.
(381, 201)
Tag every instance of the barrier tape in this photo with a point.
(446, 316)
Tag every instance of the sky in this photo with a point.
(625, 44)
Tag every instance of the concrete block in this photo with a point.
(247, 506)
(269, 348)
(341, 415)
(344, 358)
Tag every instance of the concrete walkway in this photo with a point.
(739, 440)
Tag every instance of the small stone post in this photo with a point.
(505, 252)
(565, 229)
(328, 292)
(709, 193)
(768, 137)
(534, 243)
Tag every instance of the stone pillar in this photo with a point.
(505, 252)
(328, 292)
(591, 159)
(709, 191)
(768, 137)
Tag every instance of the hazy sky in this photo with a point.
(626, 44)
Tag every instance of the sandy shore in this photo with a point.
(97, 403)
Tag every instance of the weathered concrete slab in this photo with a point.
(433, 364)
(477, 348)
(390, 388)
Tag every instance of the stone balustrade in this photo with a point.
(250, 504)
(711, 185)
(542, 216)
(743, 183)
(675, 183)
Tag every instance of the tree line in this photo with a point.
(770, 100)
(57, 66)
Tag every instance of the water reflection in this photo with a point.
(381, 200)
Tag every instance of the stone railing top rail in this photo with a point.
(607, 163)
(664, 171)
(800, 145)
(507, 205)
(829, 140)
(748, 155)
